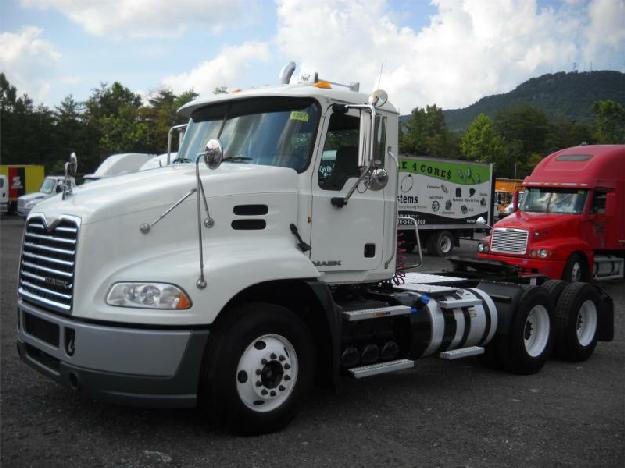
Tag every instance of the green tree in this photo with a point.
(482, 143)
(425, 133)
(609, 121)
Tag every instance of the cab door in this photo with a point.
(346, 242)
(596, 222)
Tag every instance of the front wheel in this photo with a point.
(261, 368)
(576, 269)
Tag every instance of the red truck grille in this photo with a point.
(508, 240)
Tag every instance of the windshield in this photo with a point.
(48, 185)
(277, 131)
(543, 200)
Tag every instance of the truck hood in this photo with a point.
(160, 188)
(535, 221)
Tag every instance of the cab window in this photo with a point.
(339, 159)
(598, 202)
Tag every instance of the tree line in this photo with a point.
(113, 119)
(515, 140)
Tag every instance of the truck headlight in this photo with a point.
(543, 253)
(482, 247)
(148, 296)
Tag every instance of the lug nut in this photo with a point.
(273, 356)
(258, 371)
(282, 388)
(259, 383)
(287, 366)
(263, 361)
(287, 377)
(282, 358)
(264, 392)
(272, 393)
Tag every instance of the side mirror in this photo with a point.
(378, 179)
(515, 202)
(364, 152)
(59, 188)
(481, 221)
(71, 167)
(213, 154)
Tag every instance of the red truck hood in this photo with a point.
(535, 221)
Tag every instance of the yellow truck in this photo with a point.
(22, 179)
(504, 189)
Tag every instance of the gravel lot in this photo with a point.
(441, 413)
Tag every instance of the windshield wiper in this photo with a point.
(238, 158)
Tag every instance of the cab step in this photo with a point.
(462, 353)
(377, 312)
(381, 368)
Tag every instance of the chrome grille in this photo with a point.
(47, 266)
(507, 240)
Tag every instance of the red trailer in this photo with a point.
(571, 223)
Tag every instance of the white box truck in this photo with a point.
(237, 281)
(446, 197)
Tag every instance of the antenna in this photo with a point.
(380, 75)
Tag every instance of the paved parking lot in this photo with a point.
(439, 414)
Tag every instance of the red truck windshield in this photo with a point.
(550, 200)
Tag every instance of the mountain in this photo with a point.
(559, 95)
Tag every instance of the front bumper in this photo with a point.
(531, 266)
(117, 363)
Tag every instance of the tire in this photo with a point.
(440, 243)
(264, 353)
(527, 346)
(576, 269)
(576, 320)
(554, 288)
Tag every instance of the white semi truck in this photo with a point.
(238, 281)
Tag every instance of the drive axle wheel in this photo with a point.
(256, 369)
(527, 345)
(576, 321)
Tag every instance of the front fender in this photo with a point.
(561, 249)
(228, 269)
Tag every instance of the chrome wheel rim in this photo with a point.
(267, 373)
(445, 244)
(586, 323)
(536, 331)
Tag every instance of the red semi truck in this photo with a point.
(571, 222)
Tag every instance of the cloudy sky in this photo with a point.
(448, 52)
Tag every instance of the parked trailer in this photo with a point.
(238, 281)
(570, 222)
(22, 180)
(446, 197)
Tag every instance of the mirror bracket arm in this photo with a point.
(340, 202)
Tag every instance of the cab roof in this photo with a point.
(585, 166)
(336, 93)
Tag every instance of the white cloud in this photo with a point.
(226, 69)
(26, 59)
(143, 18)
(606, 31)
(471, 48)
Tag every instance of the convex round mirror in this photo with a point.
(213, 154)
(378, 179)
(378, 98)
